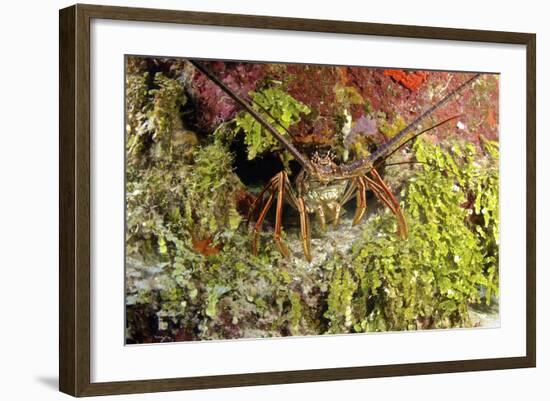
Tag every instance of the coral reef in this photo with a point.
(190, 272)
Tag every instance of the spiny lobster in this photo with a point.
(322, 185)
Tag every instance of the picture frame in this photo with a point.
(76, 200)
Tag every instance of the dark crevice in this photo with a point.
(256, 172)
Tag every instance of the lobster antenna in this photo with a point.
(390, 147)
(417, 135)
(405, 162)
(394, 144)
(285, 142)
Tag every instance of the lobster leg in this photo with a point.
(300, 204)
(403, 230)
(260, 196)
(279, 214)
(258, 225)
(304, 228)
(358, 187)
(382, 197)
(336, 210)
(280, 187)
(361, 200)
(384, 194)
(352, 187)
(322, 218)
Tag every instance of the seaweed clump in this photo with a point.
(449, 261)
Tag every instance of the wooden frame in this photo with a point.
(74, 200)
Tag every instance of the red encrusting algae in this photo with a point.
(411, 80)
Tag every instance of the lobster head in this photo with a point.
(323, 165)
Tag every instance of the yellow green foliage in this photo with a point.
(281, 107)
(426, 281)
(391, 129)
(136, 96)
(347, 95)
(429, 279)
(152, 113)
(173, 198)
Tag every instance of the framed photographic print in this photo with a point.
(250, 200)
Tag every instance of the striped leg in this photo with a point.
(358, 187)
(280, 185)
(336, 210)
(258, 225)
(260, 196)
(384, 194)
(304, 228)
(299, 203)
(322, 219)
(361, 200)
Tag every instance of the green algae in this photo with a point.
(181, 189)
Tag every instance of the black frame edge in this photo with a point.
(531, 200)
(67, 266)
